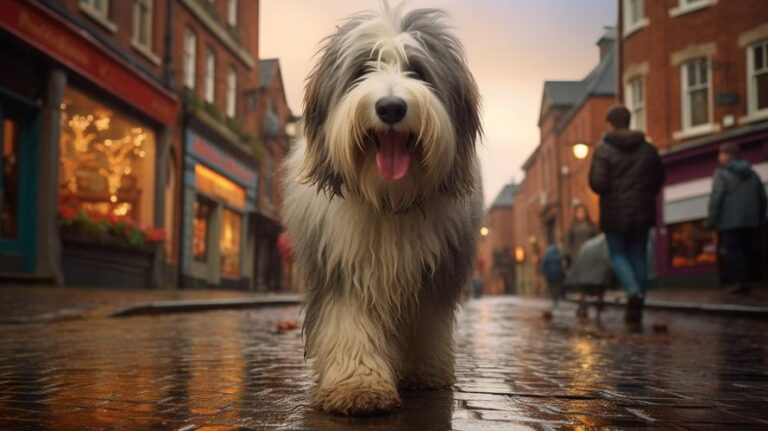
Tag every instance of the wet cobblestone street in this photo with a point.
(516, 371)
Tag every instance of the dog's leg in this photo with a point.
(428, 363)
(353, 360)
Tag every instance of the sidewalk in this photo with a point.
(29, 304)
(714, 301)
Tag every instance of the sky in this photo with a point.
(512, 47)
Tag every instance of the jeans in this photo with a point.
(735, 248)
(629, 258)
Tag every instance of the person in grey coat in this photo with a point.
(737, 208)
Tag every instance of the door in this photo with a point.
(18, 177)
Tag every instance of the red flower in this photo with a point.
(66, 212)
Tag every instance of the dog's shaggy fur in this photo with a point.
(383, 260)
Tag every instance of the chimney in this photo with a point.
(605, 43)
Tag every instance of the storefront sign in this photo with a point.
(72, 47)
(223, 162)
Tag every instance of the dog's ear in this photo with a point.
(457, 89)
(318, 96)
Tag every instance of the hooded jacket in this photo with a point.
(552, 265)
(738, 197)
(627, 173)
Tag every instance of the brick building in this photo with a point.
(572, 114)
(495, 251)
(695, 74)
(134, 116)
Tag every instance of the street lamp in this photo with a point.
(580, 150)
(483, 231)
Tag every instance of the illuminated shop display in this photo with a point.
(107, 160)
(691, 244)
(229, 243)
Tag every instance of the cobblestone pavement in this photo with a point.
(516, 371)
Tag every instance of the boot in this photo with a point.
(634, 313)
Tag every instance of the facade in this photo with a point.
(692, 91)
(572, 114)
(133, 142)
(496, 256)
(86, 116)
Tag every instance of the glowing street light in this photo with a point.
(580, 150)
(483, 231)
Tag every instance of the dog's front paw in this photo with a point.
(428, 381)
(358, 398)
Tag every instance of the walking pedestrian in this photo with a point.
(582, 229)
(553, 272)
(737, 208)
(627, 173)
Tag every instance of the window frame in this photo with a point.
(685, 92)
(189, 74)
(232, 7)
(209, 92)
(631, 26)
(137, 4)
(687, 6)
(635, 104)
(98, 14)
(231, 106)
(752, 74)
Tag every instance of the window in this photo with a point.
(268, 179)
(757, 79)
(634, 15)
(203, 210)
(107, 161)
(691, 244)
(695, 86)
(231, 93)
(142, 23)
(190, 54)
(232, 13)
(210, 77)
(229, 244)
(635, 101)
(9, 179)
(96, 7)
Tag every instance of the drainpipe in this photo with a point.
(169, 45)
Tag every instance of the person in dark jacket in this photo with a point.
(627, 173)
(553, 271)
(737, 208)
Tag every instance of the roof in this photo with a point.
(562, 93)
(505, 197)
(267, 68)
(601, 81)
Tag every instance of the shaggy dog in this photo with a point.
(383, 202)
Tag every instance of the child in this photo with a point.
(552, 270)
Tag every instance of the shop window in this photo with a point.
(201, 225)
(107, 160)
(229, 244)
(217, 186)
(691, 244)
(9, 182)
(695, 85)
(757, 81)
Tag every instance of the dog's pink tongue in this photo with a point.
(393, 158)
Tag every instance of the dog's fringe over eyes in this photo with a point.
(383, 202)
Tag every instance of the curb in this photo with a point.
(197, 305)
(731, 310)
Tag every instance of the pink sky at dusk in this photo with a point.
(513, 46)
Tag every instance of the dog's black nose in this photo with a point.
(391, 109)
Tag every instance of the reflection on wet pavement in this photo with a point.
(230, 370)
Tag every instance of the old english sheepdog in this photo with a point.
(383, 202)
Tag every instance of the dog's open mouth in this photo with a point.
(393, 155)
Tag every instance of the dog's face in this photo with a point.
(391, 111)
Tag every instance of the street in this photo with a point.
(516, 370)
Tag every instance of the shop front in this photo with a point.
(219, 195)
(84, 139)
(686, 247)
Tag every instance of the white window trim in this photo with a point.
(684, 8)
(189, 79)
(630, 104)
(632, 27)
(209, 94)
(99, 17)
(752, 110)
(144, 48)
(232, 13)
(231, 93)
(686, 131)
